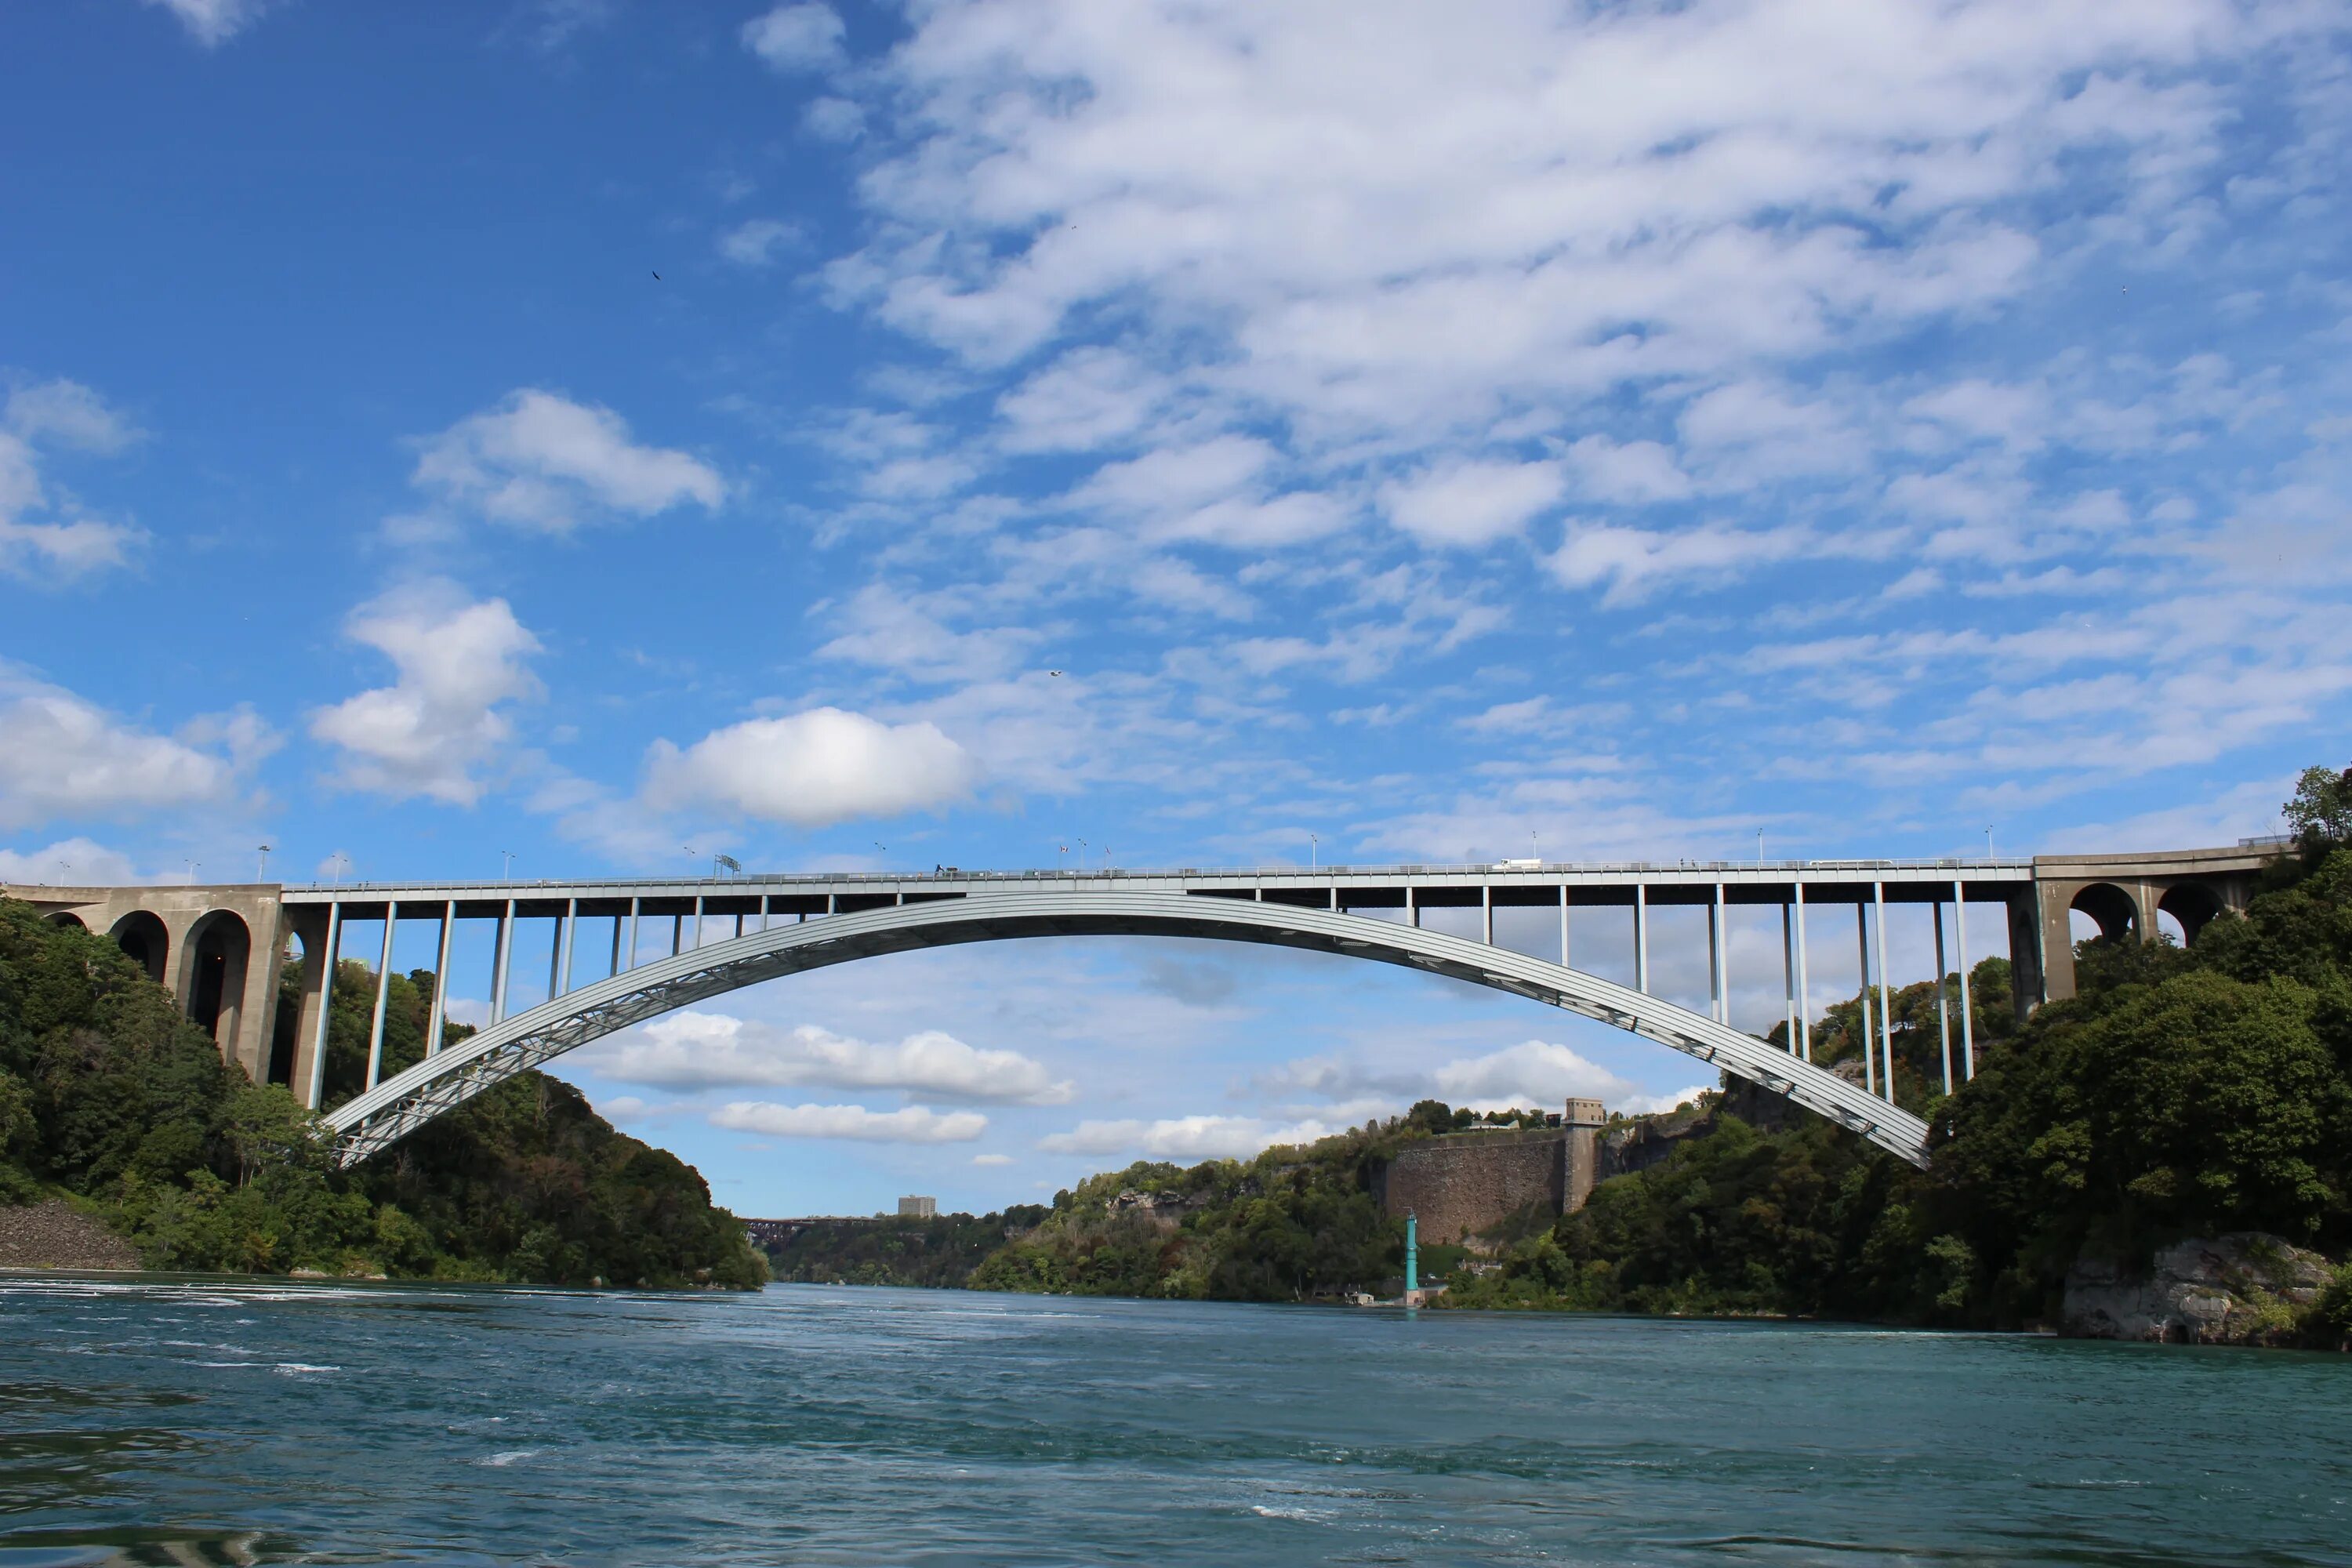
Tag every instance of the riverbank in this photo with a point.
(53, 1234)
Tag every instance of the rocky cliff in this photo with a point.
(2243, 1289)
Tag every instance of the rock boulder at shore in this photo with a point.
(2246, 1288)
(56, 1235)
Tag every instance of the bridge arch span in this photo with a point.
(380, 1117)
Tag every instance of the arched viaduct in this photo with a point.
(221, 948)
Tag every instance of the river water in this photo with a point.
(198, 1421)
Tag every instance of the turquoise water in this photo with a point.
(195, 1421)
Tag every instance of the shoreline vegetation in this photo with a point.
(2176, 1140)
(114, 1103)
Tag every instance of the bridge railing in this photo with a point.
(954, 874)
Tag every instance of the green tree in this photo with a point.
(2320, 814)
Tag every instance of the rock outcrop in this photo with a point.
(56, 1235)
(2244, 1288)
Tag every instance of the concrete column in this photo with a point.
(1968, 1013)
(1862, 946)
(571, 928)
(1563, 926)
(631, 954)
(1942, 1002)
(315, 1086)
(310, 922)
(1885, 1006)
(1641, 938)
(437, 1016)
(2038, 974)
(1804, 985)
(498, 973)
(1789, 976)
(257, 1020)
(382, 991)
(1718, 963)
(1412, 908)
(1487, 901)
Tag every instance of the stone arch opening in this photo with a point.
(66, 918)
(141, 936)
(2193, 904)
(219, 948)
(2109, 908)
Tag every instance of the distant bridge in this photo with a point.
(201, 941)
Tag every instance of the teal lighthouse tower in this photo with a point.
(1412, 1252)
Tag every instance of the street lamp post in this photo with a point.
(261, 871)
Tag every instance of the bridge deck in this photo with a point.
(1346, 887)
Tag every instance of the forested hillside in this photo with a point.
(107, 1093)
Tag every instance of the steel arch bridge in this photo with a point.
(221, 948)
(398, 1106)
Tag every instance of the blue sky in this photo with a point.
(1605, 431)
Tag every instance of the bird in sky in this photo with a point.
(657, 277)
(1053, 672)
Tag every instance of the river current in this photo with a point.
(203, 1421)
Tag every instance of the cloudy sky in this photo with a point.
(614, 433)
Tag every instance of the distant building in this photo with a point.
(919, 1208)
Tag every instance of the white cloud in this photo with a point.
(1628, 472)
(895, 631)
(1090, 397)
(1658, 1104)
(907, 1124)
(66, 759)
(813, 769)
(834, 120)
(707, 1050)
(1534, 1073)
(214, 22)
(459, 663)
(69, 413)
(69, 860)
(1650, 201)
(793, 38)
(1632, 563)
(540, 461)
(56, 414)
(756, 243)
(1184, 1137)
(62, 549)
(992, 1159)
(1471, 503)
